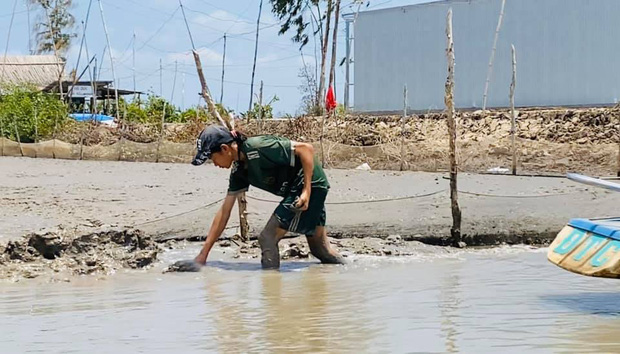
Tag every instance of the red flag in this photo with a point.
(330, 100)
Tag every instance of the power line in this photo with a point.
(221, 19)
(14, 13)
(160, 28)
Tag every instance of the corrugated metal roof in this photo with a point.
(39, 70)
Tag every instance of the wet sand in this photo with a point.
(38, 194)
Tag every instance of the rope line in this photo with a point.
(384, 200)
(357, 201)
(516, 196)
(183, 213)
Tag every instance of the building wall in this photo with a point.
(567, 54)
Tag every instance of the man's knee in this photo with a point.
(320, 250)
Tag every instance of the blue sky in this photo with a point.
(161, 34)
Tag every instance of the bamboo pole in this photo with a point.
(2, 135)
(82, 133)
(54, 136)
(260, 108)
(107, 38)
(161, 131)
(223, 72)
(513, 115)
(19, 141)
(455, 231)
(36, 124)
(490, 69)
(229, 123)
(402, 130)
(260, 10)
(321, 139)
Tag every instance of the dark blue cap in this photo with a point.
(210, 140)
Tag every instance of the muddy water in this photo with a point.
(508, 300)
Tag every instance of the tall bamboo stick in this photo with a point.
(490, 69)
(402, 131)
(455, 231)
(513, 126)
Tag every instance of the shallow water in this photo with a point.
(508, 300)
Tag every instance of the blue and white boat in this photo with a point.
(589, 246)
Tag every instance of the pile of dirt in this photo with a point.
(587, 125)
(581, 126)
(76, 252)
(92, 133)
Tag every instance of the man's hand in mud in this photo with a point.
(303, 201)
(186, 265)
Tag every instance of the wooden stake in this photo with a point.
(513, 115)
(36, 125)
(19, 141)
(54, 136)
(455, 231)
(402, 130)
(223, 72)
(161, 131)
(2, 136)
(321, 139)
(260, 108)
(619, 156)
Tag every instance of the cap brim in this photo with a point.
(201, 158)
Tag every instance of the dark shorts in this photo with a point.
(302, 222)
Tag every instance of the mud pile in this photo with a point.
(595, 125)
(76, 253)
(587, 125)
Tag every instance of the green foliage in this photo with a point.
(54, 27)
(30, 112)
(261, 112)
(291, 13)
(151, 111)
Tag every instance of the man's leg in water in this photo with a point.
(321, 249)
(268, 241)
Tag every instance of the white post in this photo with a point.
(490, 70)
(513, 112)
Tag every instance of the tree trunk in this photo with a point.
(324, 53)
(332, 69)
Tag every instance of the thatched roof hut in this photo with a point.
(42, 71)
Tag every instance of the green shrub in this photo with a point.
(30, 113)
